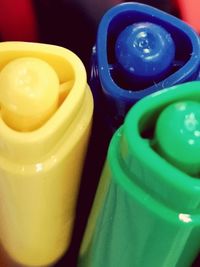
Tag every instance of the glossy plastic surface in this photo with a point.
(177, 135)
(40, 169)
(109, 83)
(145, 52)
(146, 211)
(29, 93)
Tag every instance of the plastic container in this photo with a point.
(40, 163)
(146, 210)
(139, 50)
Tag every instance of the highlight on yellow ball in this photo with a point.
(29, 93)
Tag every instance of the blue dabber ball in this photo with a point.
(144, 52)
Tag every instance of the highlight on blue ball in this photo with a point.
(145, 51)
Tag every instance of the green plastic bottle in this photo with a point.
(147, 208)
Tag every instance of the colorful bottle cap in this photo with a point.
(145, 51)
(116, 87)
(29, 91)
(178, 135)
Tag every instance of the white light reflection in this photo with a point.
(191, 122)
(39, 167)
(180, 106)
(191, 142)
(197, 133)
(185, 218)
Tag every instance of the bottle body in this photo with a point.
(141, 215)
(40, 171)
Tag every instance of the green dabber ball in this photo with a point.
(178, 136)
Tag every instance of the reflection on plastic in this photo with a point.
(182, 121)
(146, 210)
(139, 50)
(40, 166)
(145, 52)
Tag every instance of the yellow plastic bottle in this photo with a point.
(46, 111)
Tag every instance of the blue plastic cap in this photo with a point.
(145, 51)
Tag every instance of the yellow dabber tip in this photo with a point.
(29, 93)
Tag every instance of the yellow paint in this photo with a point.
(40, 169)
